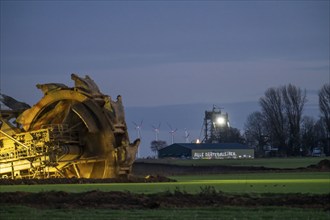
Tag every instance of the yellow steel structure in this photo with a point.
(71, 132)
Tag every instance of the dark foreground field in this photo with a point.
(208, 197)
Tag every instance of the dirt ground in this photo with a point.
(208, 197)
(177, 199)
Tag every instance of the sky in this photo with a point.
(160, 53)
(166, 52)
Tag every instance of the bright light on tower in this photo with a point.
(221, 121)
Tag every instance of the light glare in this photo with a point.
(221, 120)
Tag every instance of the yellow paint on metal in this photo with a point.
(72, 132)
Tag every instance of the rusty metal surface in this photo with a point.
(70, 132)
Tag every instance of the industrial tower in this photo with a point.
(215, 124)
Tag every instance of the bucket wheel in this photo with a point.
(95, 122)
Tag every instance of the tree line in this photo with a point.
(281, 124)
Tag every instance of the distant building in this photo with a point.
(207, 151)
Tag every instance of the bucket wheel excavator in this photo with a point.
(71, 132)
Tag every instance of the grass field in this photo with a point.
(295, 182)
(21, 212)
(294, 162)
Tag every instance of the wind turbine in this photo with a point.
(138, 128)
(186, 135)
(172, 132)
(156, 130)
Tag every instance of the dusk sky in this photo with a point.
(166, 52)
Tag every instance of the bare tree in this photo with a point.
(294, 100)
(273, 112)
(256, 132)
(324, 103)
(322, 135)
(157, 145)
(231, 135)
(309, 135)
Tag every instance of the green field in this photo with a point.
(290, 163)
(295, 182)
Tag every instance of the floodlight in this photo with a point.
(221, 121)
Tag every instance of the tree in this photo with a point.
(256, 132)
(294, 100)
(282, 110)
(272, 110)
(309, 135)
(322, 135)
(314, 134)
(324, 104)
(157, 145)
(231, 135)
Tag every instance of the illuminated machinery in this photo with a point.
(215, 124)
(71, 132)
